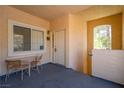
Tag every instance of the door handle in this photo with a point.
(90, 53)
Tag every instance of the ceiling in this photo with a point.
(50, 12)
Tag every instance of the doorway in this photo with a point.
(104, 33)
(59, 47)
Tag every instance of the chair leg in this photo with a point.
(22, 74)
(37, 69)
(29, 70)
(16, 72)
(7, 75)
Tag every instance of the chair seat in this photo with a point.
(24, 65)
(34, 62)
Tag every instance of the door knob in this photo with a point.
(90, 53)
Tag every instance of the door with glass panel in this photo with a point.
(104, 33)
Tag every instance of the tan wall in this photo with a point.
(8, 12)
(59, 23)
(75, 44)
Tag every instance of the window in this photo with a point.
(22, 38)
(25, 39)
(39, 43)
(102, 37)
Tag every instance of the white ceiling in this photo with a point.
(50, 12)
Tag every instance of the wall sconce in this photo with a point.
(48, 35)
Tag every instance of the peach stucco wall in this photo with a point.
(77, 33)
(75, 43)
(7, 12)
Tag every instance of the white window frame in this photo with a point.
(11, 52)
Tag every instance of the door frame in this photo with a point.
(53, 45)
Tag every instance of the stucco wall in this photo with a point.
(8, 12)
(75, 43)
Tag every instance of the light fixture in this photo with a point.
(48, 35)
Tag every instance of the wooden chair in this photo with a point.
(15, 64)
(34, 64)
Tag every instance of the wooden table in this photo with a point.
(24, 60)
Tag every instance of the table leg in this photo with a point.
(7, 75)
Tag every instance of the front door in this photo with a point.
(59, 47)
(103, 33)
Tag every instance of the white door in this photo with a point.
(59, 47)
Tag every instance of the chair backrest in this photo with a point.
(38, 58)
